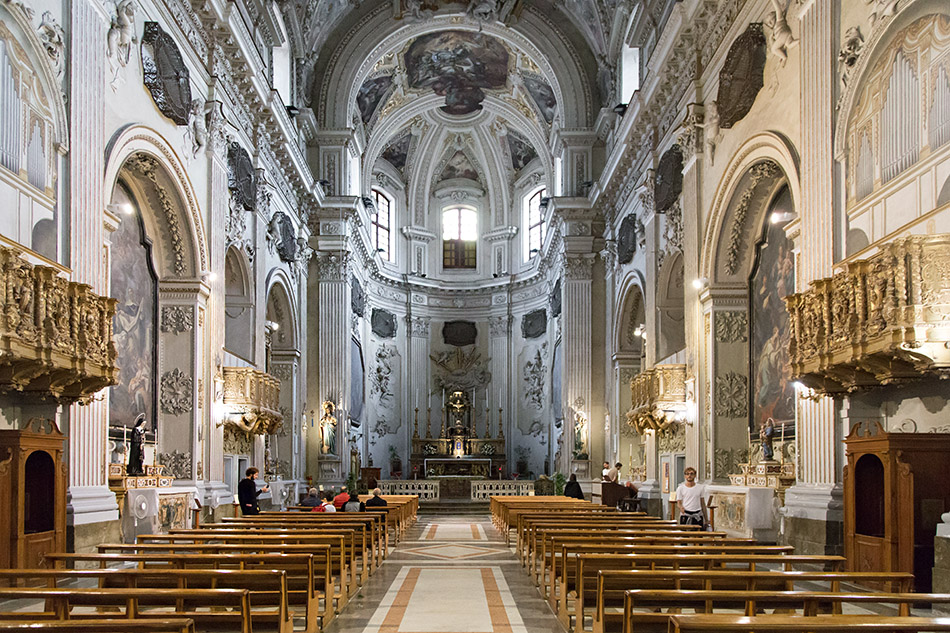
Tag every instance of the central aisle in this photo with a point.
(450, 575)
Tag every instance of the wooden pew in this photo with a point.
(269, 587)
(648, 611)
(141, 603)
(124, 625)
(308, 574)
(588, 565)
(800, 624)
(338, 570)
(342, 539)
(612, 585)
(377, 521)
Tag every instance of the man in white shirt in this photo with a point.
(614, 473)
(689, 499)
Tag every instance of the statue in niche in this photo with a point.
(136, 463)
(328, 428)
(580, 436)
(766, 433)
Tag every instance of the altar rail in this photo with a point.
(427, 489)
(484, 490)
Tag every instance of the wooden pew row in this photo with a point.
(377, 521)
(142, 603)
(271, 596)
(362, 552)
(531, 527)
(504, 508)
(339, 540)
(612, 585)
(648, 611)
(584, 588)
(550, 562)
(307, 575)
(800, 624)
(338, 587)
(124, 625)
(563, 566)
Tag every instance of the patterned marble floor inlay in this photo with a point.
(438, 580)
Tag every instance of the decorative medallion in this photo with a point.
(741, 76)
(627, 239)
(459, 333)
(357, 297)
(732, 395)
(177, 319)
(668, 180)
(534, 324)
(383, 323)
(242, 179)
(176, 392)
(165, 74)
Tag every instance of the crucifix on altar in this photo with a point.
(460, 422)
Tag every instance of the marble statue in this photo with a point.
(328, 428)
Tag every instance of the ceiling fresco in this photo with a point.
(459, 166)
(521, 150)
(543, 96)
(397, 152)
(459, 66)
(371, 94)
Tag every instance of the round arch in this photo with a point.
(181, 209)
(761, 148)
(632, 302)
(282, 309)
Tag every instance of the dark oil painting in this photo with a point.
(397, 152)
(773, 392)
(133, 284)
(543, 96)
(521, 149)
(371, 94)
(459, 66)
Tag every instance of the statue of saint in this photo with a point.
(765, 436)
(580, 434)
(328, 428)
(136, 466)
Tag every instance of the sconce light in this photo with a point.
(273, 326)
(782, 217)
(292, 111)
(700, 282)
(543, 203)
(620, 109)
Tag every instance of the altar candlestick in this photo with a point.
(487, 423)
(501, 430)
(428, 422)
(782, 446)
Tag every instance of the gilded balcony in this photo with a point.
(55, 334)
(658, 398)
(883, 320)
(251, 400)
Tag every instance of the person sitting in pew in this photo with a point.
(327, 505)
(354, 504)
(377, 500)
(312, 500)
(573, 489)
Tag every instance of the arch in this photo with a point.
(632, 308)
(138, 142)
(763, 147)
(238, 305)
(670, 293)
(282, 309)
(876, 44)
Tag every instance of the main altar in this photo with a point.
(458, 455)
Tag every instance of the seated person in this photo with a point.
(377, 500)
(312, 500)
(327, 505)
(354, 504)
(573, 489)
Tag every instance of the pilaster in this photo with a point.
(501, 366)
(418, 383)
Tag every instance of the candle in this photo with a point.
(473, 402)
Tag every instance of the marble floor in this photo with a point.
(450, 575)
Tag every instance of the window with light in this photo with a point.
(534, 223)
(381, 223)
(459, 237)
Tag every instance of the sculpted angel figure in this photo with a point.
(782, 38)
(122, 32)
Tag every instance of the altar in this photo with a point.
(458, 452)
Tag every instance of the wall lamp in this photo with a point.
(700, 282)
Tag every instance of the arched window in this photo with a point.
(459, 237)
(381, 227)
(534, 223)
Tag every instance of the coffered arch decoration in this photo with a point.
(759, 167)
(154, 171)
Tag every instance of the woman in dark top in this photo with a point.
(573, 489)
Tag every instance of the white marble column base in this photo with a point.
(90, 504)
(819, 502)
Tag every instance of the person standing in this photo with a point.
(573, 489)
(603, 473)
(248, 492)
(689, 500)
(613, 475)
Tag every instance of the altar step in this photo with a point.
(450, 507)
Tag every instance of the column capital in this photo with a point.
(332, 265)
(579, 267)
(418, 326)
(500, 325)
(690, 134)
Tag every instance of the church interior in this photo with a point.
(459, 252)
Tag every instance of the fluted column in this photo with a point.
(502, 371)
(817, 494)
(418, 380)
(90, 500)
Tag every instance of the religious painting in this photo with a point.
(397, 152)
(459, 166)
(371, 94)
(133, 283)
(543, 96)
(666, 476)
(458, 65)
(521, 150)
(773, 277)
(357, 378)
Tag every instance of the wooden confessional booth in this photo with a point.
(895, 489)
(32, 494)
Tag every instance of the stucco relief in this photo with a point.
(732, 327)
(381, 377)
(534, 374)
(177, 319)
(732, 395)
(177, 391)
